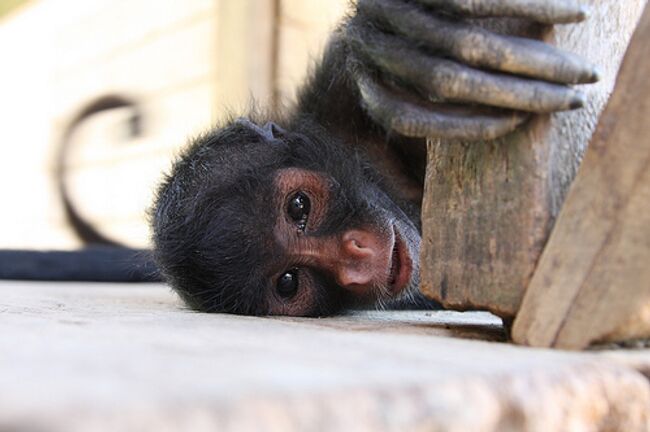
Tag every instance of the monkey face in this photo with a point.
(256, 221)
(336, 246)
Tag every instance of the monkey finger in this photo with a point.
(451, 81)
(543, 11)
(478, 47)
(412, 120)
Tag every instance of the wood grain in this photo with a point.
(106, 357)
(489, 206)
(593, 281)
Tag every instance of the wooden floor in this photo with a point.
(98, 357)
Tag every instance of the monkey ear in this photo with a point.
(269, 131)
(273, 131)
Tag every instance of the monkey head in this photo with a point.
(259, 220)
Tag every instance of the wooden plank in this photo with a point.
(489, 206)
(108, 357)
(593, 280)
(303, 29)
(246, 54)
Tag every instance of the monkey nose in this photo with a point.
(360, 261)
(359, 245)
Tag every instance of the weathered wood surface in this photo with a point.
(489, 207)
(90, 357)
(593, 280)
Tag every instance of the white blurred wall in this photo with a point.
(184, 62)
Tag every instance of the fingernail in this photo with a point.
(583, 13)
(596, 74)
(578, 101)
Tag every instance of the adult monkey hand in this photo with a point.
(470, 83)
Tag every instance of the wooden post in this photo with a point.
(246, 51)
(490, 206)
(593, 280)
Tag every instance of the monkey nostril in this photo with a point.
(360, 261)
(358, 250)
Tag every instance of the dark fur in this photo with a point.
(212, 220)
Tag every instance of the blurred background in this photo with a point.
(102, 94)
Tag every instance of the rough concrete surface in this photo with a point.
(93, 357)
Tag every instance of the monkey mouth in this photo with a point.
(401, 266)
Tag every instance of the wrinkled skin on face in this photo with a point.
(373, 258)
(316, 210)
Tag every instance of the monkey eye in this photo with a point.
(287, 285)
(298, 209)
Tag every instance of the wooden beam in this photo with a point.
(593, 281)
(246, 54)
(490, 206)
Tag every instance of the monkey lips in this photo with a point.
(400, 265)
